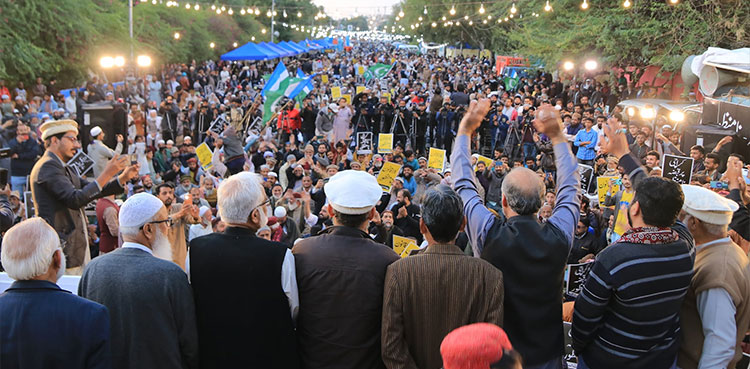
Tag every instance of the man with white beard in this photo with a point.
(149, 299)
(42, 326)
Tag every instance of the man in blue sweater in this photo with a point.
(586, 140)
(628, 312)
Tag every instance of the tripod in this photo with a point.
(409, 134)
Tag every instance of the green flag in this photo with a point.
(511, 83)
(377, 71)
(273, 98)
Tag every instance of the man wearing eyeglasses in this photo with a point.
(150, 303)
(60, 194)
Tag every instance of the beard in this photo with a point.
(61, 271)
(292, 206)
(408, 176)
(161, 247)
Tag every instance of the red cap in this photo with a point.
(474, 346)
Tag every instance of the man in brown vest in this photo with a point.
(716, 311)
(107, 217)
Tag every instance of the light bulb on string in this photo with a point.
(242, 11)
(197, 7)
(425, 10)
(284, 14)
(218, 11)
(434, 24)
(453, 10)
(584, 5)
(466, 17)
(626, 4)
(213, 7)
(489, 17)
(223, 8)
(401, 14)
(513, 9)
(547, 7)
(268, 14)
(444, 18)
(471, 23)
(230, 12)
(481, 9)
(257, 11)
(420, 18)
(299, 14)
(274, 13)
(484, 21)
(187, 6)
(674, 1)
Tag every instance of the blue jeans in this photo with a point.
(582, 365)
(529, 150)
(18, 183)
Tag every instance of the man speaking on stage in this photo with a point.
(60, 195)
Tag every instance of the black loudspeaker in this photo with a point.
(111, 118)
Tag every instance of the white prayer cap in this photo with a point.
(96, 131)
(160, 142)
(54, 127)
(708, 206)
(138, 209)
(279, 212)
(353, 192)
(203, 210)
(170, 142)
(187, 138)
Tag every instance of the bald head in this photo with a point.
(523, 191)
(31, 250)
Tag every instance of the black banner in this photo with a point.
(587, 175)
(80, 163)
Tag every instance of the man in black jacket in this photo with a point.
(407, 215)
(245, 287)
(59, 193)
(383, 229)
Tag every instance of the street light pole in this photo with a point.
(273, 16)
(130, 21)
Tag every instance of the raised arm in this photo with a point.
(479, 218)
(568, 205)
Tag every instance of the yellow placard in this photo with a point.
(388, 95)
(436, 159)
(411, 247)
(400, 244)
(361, 70)
(348, 98)
(621, 223)
(393, 60)
(360, 89)
(483, 159)
(336, 93)
(205, 155)
(385, 143)
(387, 174)
(324, 78)
(603, 185)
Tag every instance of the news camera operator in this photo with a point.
(421, 119)
(446, 126)
(169, 111)
(289, 121)
(403, 123)
(201, 121)
(383, 115)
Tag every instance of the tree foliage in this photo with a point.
(648, 33)
(66, 38)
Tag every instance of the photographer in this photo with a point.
(169, 110)
(201, 121)
(383, 115)
(421, 119)
(402, 126)
(446, 127)
(289, 121)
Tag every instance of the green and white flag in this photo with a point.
(273, 98)
(378, 71)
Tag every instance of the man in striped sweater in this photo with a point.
(628, 313)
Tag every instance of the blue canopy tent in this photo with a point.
(273, 53)
(278, 50)
(286, 47)
(305, 46)
(293, 46)
(248, 51)
(326, 43)
(311, 44)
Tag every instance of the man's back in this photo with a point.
(628, 313)
(42, 326)
(242, 312)
(429, 295)
(340, 275)
(150, 306)
(532, 257)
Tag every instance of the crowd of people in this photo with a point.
(216, 236)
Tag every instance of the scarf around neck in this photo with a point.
(649, 236)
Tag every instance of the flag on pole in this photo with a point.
(303, 89)
(273, 98)
(272, 83)
(378, 71)
(300, 73)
